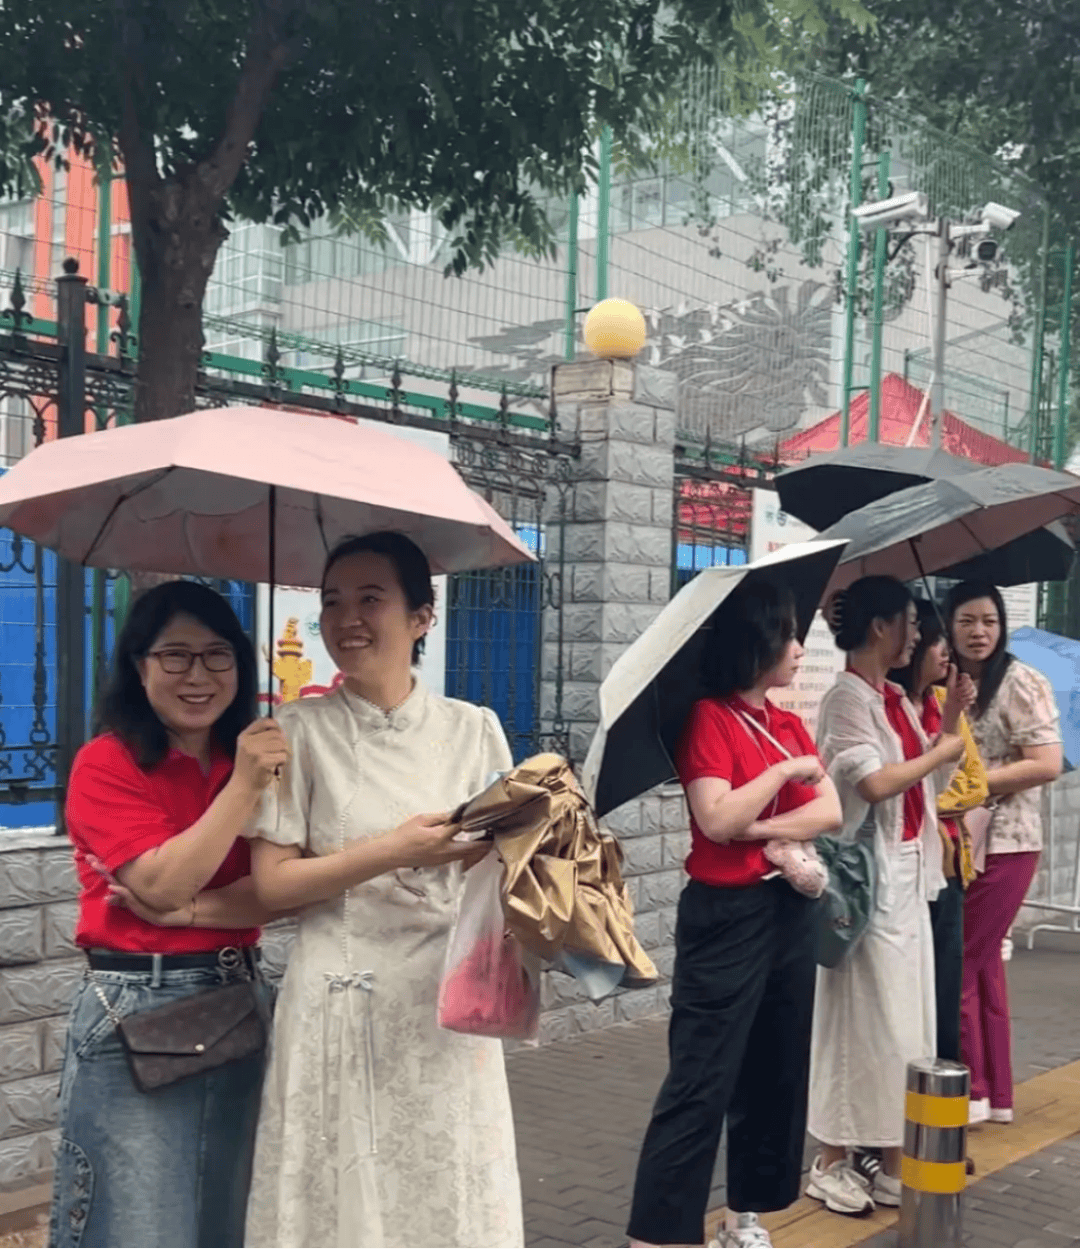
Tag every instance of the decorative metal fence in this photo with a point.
(58, 621)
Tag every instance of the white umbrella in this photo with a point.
(652, 686)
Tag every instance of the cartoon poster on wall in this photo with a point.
(300, 665)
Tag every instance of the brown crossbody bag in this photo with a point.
(198, 1033)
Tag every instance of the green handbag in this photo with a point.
(845, 907)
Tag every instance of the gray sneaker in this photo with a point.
(840, 1187)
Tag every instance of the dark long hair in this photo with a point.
(124, 708)
(997, 662)
(410, 564)
(750, 631)
(863, 602)
(930, 632)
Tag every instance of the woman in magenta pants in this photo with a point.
(1015, 725)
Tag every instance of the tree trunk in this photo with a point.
(177, 246)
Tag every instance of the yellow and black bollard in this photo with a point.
(935, 1140)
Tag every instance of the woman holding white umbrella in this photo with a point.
(743, 982)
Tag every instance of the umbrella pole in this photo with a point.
(926, 587)
(272, 506)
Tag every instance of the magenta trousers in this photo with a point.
(990, 906)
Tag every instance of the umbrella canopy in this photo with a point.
(936, 526)
(217, 492)
(827, 487)
(652, 686)
(1058, 659)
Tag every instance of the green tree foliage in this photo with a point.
(290, 110)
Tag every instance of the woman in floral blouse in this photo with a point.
(1015, 724)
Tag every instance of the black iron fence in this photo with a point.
(58, 620)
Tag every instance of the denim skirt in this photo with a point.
(171, 1167)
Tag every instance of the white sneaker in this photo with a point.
(978, 1111)
(840, 1187)
(884, 1189)
(746, 1234)
(1006, 949)
(1001, 1114)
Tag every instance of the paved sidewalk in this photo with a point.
(582, 1105)
(1032, 1202)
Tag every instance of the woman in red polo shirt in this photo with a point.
(743, 984)
(157, 803)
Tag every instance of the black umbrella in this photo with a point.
(826, 488)
(945, 525)
(645, 699)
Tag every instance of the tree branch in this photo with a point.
(268, 51)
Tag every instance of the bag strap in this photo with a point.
(750, 722)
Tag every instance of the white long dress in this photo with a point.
(876, 1012)
(377, 1127)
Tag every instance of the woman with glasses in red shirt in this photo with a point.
(743, 984)
(156, 805)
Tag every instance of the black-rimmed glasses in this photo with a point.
(176, 662)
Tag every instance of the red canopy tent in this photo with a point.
(900, 404)
(721, 510)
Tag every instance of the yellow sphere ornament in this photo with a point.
(614, 330)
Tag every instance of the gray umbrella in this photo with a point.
(827, 487)
(941, 524)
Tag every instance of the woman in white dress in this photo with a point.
(377, 1127)
(875, 1012)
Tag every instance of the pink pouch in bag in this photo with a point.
(488, 987)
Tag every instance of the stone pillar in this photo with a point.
(616, 517)
(615, 520)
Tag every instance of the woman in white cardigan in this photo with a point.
(875, 1012)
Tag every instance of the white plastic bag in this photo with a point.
(489, 987)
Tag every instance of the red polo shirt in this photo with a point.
(116, 811)
(717, 743)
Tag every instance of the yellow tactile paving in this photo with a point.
(1047, 1110)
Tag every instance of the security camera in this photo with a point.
(914, 206)
(986, 251)
(998, 217)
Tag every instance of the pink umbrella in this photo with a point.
(251, 494)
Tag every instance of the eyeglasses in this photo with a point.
(177, 662)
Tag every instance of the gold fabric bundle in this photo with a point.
(566, 900)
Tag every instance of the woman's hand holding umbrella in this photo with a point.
(959, 696)
(261, 751)
(428, 841)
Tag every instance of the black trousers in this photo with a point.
(742, 1005)
(947, 922)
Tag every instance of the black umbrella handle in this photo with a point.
(933, 601)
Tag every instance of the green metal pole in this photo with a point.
(858, 135)
(603, 214)
(1062, 425)
(570, 345)
(1035, 398)
(881, 247)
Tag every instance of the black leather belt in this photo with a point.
(228, 958)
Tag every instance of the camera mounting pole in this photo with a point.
(937, 377)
